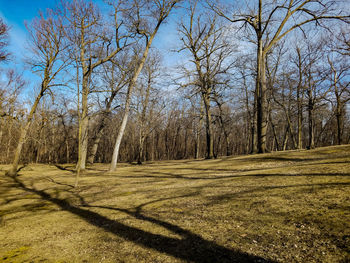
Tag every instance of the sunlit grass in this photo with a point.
(285, 207)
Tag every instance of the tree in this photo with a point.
(92, 44)
(299, 62)
(145, 18)
(209, 49)
(114, 78)
(244, 83)
(4, 30)
(271, 21)
(146, 101)
(338, 74)
(47, 43)
(343, 42)
(11, 111)
(313, 82)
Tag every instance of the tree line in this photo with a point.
(251, 78)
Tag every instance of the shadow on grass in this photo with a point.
(234, 174)
(231, 196)
(191, 247)
(58, 183)
(64, 168)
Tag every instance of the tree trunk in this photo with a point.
(96, 141)
(275, 141)
(67, 151)
(140, 156)
(199, 127)
(223, 128)
(98, 136)
(339, 117)
(208, 127)
(83, 128)
(100, 128)
(311, 121)
(285, 140)
(300, 97)
(261, 102)
(339, 109)
(22, 138)
(261, 109)
(9, 140)
(114, 161)
(142, 135)
(128, 100)
(300, 117)
(249, 119)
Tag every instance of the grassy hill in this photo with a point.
(289, 206)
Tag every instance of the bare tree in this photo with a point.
(343, 39)
(299, 62)
(4, 30)
(314, 78)
(209, 49)
(339, 74)
(47, 43)
(145, 18)
(94, 42)
(271, 21)
(11, 111)
(115, 77)
(147, 99)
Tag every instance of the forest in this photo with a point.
(170, 131)
(244, 78)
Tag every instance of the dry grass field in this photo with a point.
(290, 206)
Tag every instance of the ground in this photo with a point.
(291, 206)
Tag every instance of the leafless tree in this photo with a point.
(11, 111)
(47, 43)
(210, 51)
(115, 76)
(338, 75)
(93, 43)
(271, 21)
(145, 18)
(147, 96)
(4, 30)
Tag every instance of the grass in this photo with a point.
(290, 206)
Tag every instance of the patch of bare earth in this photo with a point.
(279, 207)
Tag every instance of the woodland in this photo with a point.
(177, 131)
(251, 77)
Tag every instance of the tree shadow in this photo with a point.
(231, 196)
(191, 247)
(59, 183)
(64, 168)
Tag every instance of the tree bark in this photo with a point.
(311, 120)
(261, 106)
(208, 126)
(150, 37)
(83, 126)
(198, 132)
(22, 138)
(300, 122)
(339, 117)
(339, 107)
(100, 129)
(121, 131)
(96, 141)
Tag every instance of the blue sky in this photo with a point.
(16, 12)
